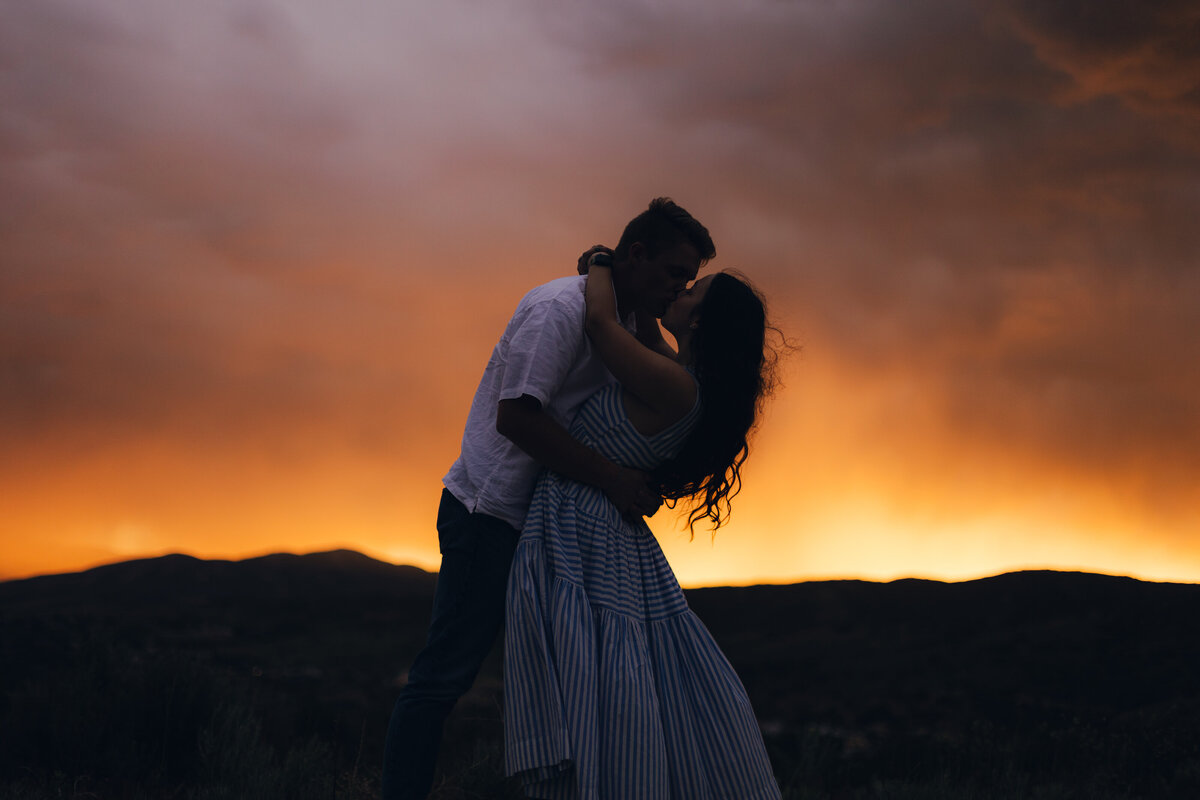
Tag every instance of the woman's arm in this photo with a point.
(653, 377)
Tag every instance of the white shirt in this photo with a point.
(546, 354)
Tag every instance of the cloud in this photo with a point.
(1146, 54)
(255, 225)
(984, 196)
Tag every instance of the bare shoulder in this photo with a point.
(674, 397)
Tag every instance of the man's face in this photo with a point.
(655, 282)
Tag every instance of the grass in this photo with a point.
(123, 725)
(203, 701)
(114, 723)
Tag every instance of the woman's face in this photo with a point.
(679, 314)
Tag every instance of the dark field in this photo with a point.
(274, 678)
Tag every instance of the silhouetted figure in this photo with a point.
(614, 689)
(541, 371)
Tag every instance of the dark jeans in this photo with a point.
(468, 613)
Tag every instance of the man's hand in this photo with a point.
(523, 422)
(583, 259)
(631, 492)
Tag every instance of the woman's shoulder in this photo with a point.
(652, 421)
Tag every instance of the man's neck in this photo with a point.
(625, 303)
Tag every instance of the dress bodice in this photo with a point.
(603, 425)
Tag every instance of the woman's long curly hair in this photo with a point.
(734, 367)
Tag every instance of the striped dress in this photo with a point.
(614, 690)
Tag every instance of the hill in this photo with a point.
(180, 580)
(1031, 675)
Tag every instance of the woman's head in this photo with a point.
(730, 326)
(683, 314)
(727, 330)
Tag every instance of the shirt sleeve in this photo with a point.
(543, 344)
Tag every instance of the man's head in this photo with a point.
(659, 253)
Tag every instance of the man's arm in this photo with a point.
(524, 422)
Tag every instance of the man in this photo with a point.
(540, 372)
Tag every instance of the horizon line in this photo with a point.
(730, 585)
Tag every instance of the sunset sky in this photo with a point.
(254, 255)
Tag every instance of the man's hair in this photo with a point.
(662, 226)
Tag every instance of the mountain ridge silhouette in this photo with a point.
(344, 574)
(1040, 663)
(351, 561)
(339, 572)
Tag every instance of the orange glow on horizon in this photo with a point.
(252, 267)
(829, 492)
(842, 511)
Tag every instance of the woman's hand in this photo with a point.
(583, 259)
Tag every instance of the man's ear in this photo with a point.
(637, 253)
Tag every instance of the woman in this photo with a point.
(614, 689)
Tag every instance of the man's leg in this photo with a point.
(468, 613)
